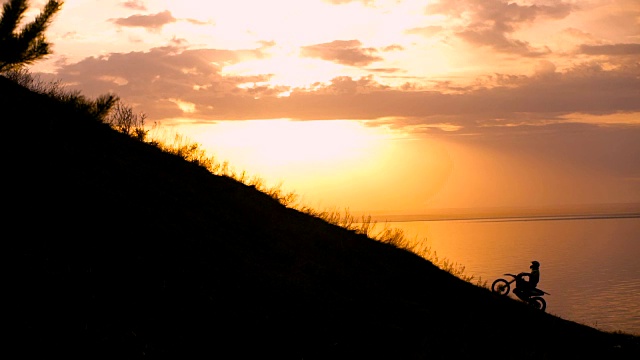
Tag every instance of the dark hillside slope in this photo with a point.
(124, 250)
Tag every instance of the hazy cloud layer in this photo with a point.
(613, 49)
(502, 14)
(179, 80)
(492, 22)
(149, 79)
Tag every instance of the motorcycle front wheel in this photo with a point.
(501, 287)
(538, 303)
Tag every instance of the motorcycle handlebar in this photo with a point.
(515, 276)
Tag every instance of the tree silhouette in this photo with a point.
(22, 47)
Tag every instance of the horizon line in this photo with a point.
(558, 212)
(496, 218)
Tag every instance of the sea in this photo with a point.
(590, 264)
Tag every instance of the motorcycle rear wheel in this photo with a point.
(501, 287)
(538, 303)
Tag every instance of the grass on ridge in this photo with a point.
(110, 110)
(178, 144)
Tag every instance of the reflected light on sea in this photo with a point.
(589, 266)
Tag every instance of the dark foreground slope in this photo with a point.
(124, 250)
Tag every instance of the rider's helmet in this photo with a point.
(534, 265)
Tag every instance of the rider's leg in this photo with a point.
(518, 292)
(522, 291)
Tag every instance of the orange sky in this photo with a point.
(380, 105)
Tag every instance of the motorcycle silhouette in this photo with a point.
(532, 297)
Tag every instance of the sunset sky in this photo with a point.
(395, 106)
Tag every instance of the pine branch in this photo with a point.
(29, 44)
(41, 22)
(12, 13)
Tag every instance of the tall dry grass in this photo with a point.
(110, 110)
(175, 143)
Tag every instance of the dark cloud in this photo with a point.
(426, 31)
(394, 47)
(345, 52)
(491, 22)
(498, 41)
(154, 21)
(386, 70)
(613, 49)
(267, 44)
(199, 22)
(134, 4)
(147, 80)
(346, 85)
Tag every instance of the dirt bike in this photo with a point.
(532, 297)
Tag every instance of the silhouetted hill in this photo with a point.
(122, 249)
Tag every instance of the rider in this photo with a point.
(523, 286)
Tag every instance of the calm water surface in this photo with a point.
(591, 267)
